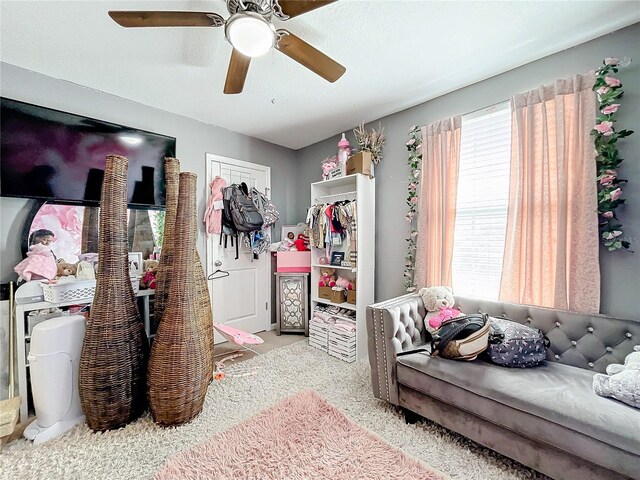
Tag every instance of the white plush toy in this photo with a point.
(621, 382)
(439, 303)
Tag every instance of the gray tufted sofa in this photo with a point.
(545, 417)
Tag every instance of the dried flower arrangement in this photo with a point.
(372, 141)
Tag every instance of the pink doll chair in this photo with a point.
(239, 337)
(242, 339)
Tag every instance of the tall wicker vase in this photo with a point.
(164, 274)
(113, 362)
(179, 366)
(165, 269)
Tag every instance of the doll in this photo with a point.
(40, 264)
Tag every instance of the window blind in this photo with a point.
(482, 200)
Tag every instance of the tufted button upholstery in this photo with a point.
(591, 365)
(577, 339)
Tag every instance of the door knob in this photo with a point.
(218, 263)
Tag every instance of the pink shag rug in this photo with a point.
(302, 437)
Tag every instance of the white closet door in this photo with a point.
(241, 299)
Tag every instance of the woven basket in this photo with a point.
(114, 352)
(180, 363)
(164, 274)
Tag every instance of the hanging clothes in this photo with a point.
(213, 212)
(333, 225)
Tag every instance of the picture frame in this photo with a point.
(337, 258)
(289, 232)
(136, 264)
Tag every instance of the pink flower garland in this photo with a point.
(609, 90)
(415, 158)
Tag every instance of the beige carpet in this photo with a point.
(139, 450)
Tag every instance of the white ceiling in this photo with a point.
(397, 53)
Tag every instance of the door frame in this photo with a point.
(212, 157)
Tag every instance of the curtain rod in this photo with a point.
(491, 108)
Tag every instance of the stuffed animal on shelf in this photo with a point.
(85, 271)
(439, 303)
(621, 382)
(148, 280)
(327, 277)
(302, 243)
(343, 284)
(65, 269)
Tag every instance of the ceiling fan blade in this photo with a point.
(293, 8)
(312, 58)
(166, 19)
(237, 73)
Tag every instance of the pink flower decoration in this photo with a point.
(412, 186)
(411, 142)
(611, 172)
(616, 194)
(613, 108)
(603, 90)
(605, 128)
(611, 61)
(608, 214)
(612, 81)
(607, 179)
(414, 200)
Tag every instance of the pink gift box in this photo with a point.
(293, 262)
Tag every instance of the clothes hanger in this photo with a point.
(223, 272)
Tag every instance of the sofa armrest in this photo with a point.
(392, 326)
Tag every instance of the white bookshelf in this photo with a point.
(361, 188)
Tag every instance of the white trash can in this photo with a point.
(54, 359)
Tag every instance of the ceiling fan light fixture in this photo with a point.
(249, 33)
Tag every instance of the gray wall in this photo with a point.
(620, 270)
(194, 139)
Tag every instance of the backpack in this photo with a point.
(228, 227)
(266, 208)
(460, 338)
(245, 215)
(514, 345)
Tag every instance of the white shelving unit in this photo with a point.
(361, 188)
(23, 338)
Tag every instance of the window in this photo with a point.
(482, 201)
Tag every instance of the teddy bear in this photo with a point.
(621, 382)
(439, 303)
(343, 284)
(65, 269)
(148, 280)
(327, 277)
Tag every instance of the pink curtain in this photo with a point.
(551, 248)
(437, 202)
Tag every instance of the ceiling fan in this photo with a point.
(250, 32)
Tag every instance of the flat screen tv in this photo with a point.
(52, 155)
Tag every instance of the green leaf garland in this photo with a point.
(414, 146)
(609, 91)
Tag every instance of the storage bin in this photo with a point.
(319, 335)
(351, 297)
(359, 163)
(293, 262)
(331, 295)
(79, 290)
(342, 344)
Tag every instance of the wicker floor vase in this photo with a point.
(178, 374)
(165, 269)
(113, 361)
